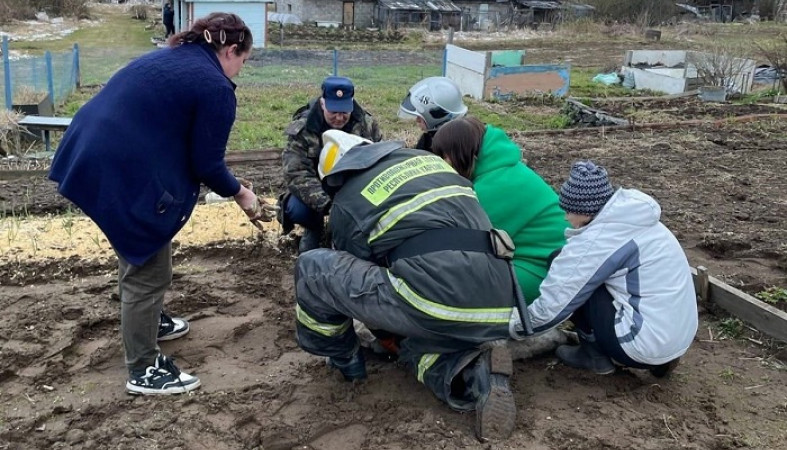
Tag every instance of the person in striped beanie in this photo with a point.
(585, 192)
(622, 279)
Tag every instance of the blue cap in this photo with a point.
(338, 94)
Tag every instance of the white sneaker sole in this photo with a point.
(171, 336)
(172, 390)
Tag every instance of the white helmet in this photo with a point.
(336, 143)
(436, 100)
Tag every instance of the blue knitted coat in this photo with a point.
(134, 155)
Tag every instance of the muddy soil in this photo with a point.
(673, 110)
(722, 192)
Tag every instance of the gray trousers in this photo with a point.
(333, 287)
(142, 291)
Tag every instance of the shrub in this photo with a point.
(26, 9)
(139, 12)
(776, 53)
(719, 65)
(641, 12)
(16, 10)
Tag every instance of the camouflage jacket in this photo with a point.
(304, 142)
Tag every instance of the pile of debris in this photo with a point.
(581, 115)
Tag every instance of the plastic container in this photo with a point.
(212, 197)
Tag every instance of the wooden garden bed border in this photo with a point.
(762, 316)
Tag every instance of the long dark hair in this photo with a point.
(459, 141)
(219, 30)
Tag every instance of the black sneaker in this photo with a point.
(170, 328)
(162, 378)
(495, 408)
(352, 369)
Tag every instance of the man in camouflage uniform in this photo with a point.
(305, 202)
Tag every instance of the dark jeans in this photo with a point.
(597, 316)
(298, 212)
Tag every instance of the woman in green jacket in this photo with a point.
(514, 196)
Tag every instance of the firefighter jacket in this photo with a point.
(384, 194)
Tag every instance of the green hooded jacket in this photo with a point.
(520, 202)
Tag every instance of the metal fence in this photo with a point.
(55, 74)
(309, 67)
(94, 66)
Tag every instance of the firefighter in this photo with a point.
(413, 254)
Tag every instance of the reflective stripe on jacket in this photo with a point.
(386, 194)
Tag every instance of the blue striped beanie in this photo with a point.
(587, 189)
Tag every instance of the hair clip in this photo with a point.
(222, 36)
(242, 36)
(208, 37)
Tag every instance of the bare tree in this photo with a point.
(776, 53)
(721, 66)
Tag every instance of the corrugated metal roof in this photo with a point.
(539, 4)
(420, 5)
(442, 5)
(400, 4)
(547, 4)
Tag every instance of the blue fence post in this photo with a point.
(77, 72)
(50, 78)
(336, 63)
(7, 71)
(445, 59)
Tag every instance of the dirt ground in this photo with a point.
(722, 191)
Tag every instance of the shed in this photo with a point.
(253, 12)
(437, 14)
(550, 10)
(344, 13)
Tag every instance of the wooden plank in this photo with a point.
(648, 126)
(703, 283)
(252, 156)
(633, 99)
(475, 61)
(46, 123)
(7, 175)
(762, 316)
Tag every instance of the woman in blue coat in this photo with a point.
(133, 160)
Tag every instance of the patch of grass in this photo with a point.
(757, 97)
(773, 295)
(582, 85)
(104, 47)
(731, 328)
(727, 375)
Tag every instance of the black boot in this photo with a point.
(494, 408)
(665, 369)
(586, 355)
(353, 368)
(310, 240)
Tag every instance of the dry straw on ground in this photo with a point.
(25, 238)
